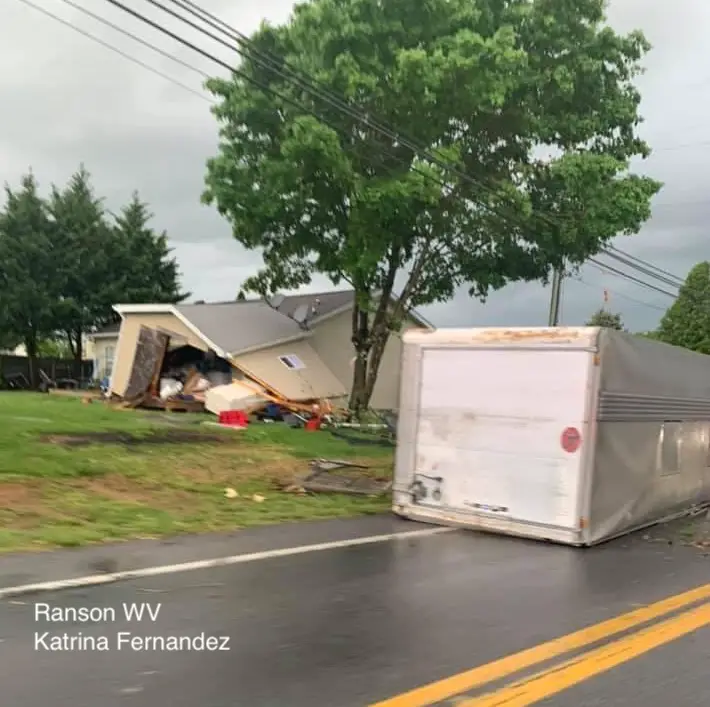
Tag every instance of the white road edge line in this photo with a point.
(110, 577)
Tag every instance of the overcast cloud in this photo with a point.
(67, 100)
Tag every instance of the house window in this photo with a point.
(109, 353)
(292, 361)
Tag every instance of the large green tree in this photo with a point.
(532, 103)
(30, 282)
(605, 318)
(687, 321)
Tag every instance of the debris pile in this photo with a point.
(186, 379)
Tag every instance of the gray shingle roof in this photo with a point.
(331, 301)
(328, 301)
(238, 326)
(249, 324)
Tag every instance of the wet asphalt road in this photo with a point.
(676, 675)
(349, 627)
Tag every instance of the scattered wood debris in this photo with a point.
(340, 476)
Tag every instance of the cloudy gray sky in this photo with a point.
(65, 100)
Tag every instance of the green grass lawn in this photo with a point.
(53, 493)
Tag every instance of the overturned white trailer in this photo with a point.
(573, 435)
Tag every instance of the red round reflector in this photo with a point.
(571, 439)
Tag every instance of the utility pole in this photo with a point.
(555, 296)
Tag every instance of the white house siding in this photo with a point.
(128, 338)
(310, 378)
(332, 341)
(105, 348)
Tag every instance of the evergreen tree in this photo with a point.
(85, 245)
(148, 272)
(30, 282)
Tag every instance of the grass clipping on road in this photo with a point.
(138, 474)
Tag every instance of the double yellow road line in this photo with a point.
(567, 672)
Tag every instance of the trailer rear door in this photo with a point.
(501, 431)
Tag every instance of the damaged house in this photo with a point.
(297, 348)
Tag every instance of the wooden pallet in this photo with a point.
(184, 406)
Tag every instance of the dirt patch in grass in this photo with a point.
(159, 437)
(116, 487)
(244, 463)
(22, 505)
(13, 495)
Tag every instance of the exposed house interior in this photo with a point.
(296, 348)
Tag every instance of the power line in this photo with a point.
(693, 297)
(191, 45)
(678, 280)
(266, 88)
(621, 294)
(211, 19)
(215, 22)
(140, 40)
(114, 49)
(255, 82)
(621, 273)
(277, 65)
(216, 60)
(634, 262)
(643, 269)
(284, 70)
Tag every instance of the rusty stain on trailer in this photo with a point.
(559, 334)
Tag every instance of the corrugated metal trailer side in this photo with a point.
(652, 437)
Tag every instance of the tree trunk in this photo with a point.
(361, 343)
(78, 354)
(366, 339)
(70, 342)
(31, 349)
(75, 340)
(357, 402)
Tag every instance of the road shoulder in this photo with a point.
(24, 569)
